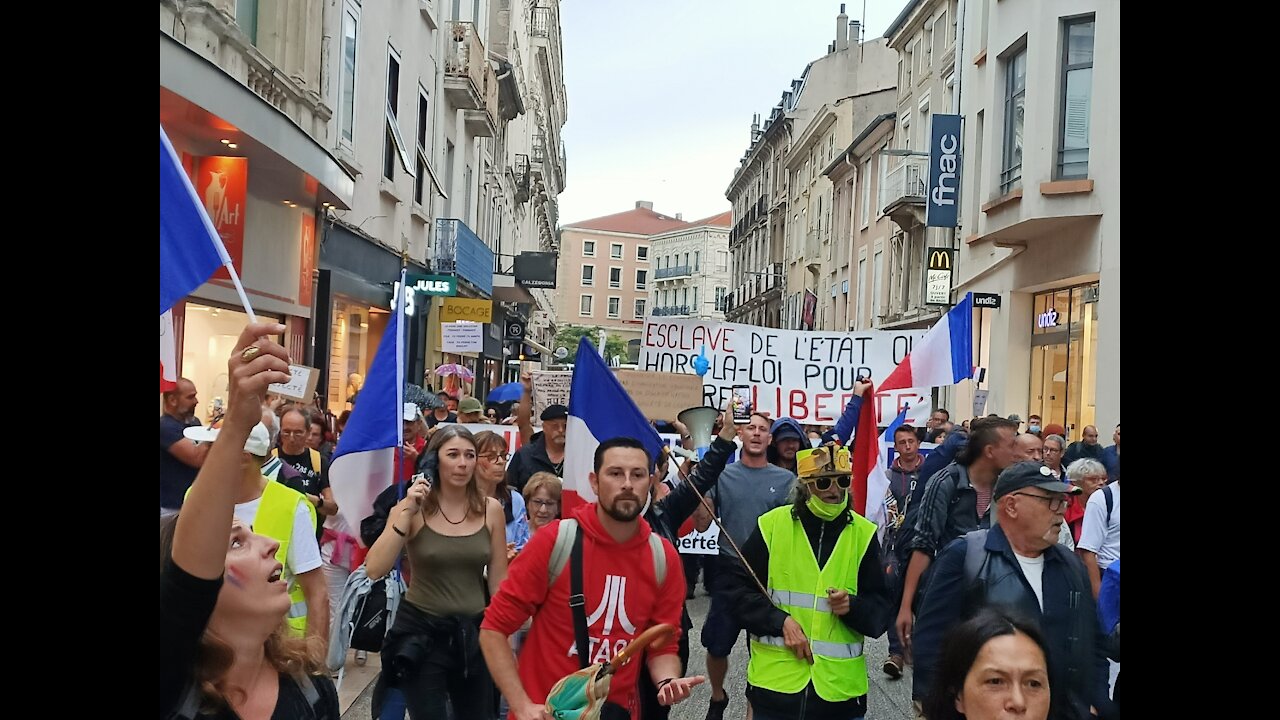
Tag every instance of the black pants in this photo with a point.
(437, 658)
(650, 708)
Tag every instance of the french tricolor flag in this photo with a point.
(599, 410)
(190, 252)
(944, 356)
(364, 461)
(878, 476)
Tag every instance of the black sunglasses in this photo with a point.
(824, 483)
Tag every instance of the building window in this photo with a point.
(347, 91)
(864, 178)
(721, 293)
(860, 290)
(642, 253)
(1064, 347)
(1074, 98)
(685, 297)
(639, 310)
(588, 275)
(878, 270)
(615, 251)
(722, 261)
(642, 279)
(693, 306)
(247, 19)
(615, 277)
(584, 305)
(588, 248)
(615, 304)
(697, 260)
(393, 142)
(420, 178)
(1014, 111)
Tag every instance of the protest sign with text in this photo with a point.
(806, 375)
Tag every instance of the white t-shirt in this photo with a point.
(1033, 569)
(1097, 535)
(304, 552)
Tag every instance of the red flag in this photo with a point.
(865, 450)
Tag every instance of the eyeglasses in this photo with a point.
(1055, 502)
(824, 483)
(494, 458)
(543, 503)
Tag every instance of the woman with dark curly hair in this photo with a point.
(225, 650)
(993, 666)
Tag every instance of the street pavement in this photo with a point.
(887, 699)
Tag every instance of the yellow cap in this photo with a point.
(825, 461)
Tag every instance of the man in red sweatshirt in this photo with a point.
(621, 589)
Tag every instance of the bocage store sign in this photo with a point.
(938, 277)
(456, 308)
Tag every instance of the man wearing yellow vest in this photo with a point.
(284, 515)
(820, 563)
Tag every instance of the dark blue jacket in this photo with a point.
(1078, 668)
(1110, 459)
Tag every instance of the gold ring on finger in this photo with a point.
(250, 353)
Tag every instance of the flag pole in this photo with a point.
(208, 226)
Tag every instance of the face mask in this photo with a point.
(1033, 428)
(826, 511)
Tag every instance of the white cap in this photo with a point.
(411, 412)
(259, 442)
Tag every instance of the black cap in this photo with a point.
(555, 412)
(1030, 473)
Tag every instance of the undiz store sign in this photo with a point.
(456, 308)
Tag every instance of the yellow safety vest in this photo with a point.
(799, 588)
(275, 520)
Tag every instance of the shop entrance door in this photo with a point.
(1049, 371)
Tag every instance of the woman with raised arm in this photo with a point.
(225, 650)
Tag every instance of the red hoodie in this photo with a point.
(633, 604)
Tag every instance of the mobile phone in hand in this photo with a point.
(742, 407)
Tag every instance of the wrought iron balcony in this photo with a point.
(906, 183)
(520, 172)
(671, 310)
(670, 273)
(469, 80)
(457, 249)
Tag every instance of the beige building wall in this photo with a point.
(690, 272)
(1043, 227)
(855, 176)
(595, 249)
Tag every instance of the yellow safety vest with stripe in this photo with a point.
(275, 520)
(799, 588)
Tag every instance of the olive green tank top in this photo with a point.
(448, 572)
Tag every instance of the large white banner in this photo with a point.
(806, 375)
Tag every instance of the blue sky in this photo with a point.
(661, 92)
